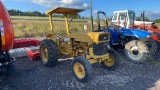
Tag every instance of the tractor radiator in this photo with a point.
(100, 49)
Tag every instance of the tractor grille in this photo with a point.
(103, 37)
(100, 49)
(157, 34)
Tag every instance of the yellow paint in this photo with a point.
(79, 44)
(66, 49)
(3, 40)
(110, 61)
(52, 37)
(79, 70)
(67, 27)
(97, 59)
(92, 61)
(51, 24)
(44, 52)
(63, 10)
(90, 37)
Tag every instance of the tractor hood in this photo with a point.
(154, 30)
(135, 32)
(91, 37)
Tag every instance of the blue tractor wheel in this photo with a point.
(136, 51)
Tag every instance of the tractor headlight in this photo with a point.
(148, 36)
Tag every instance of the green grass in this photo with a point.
(39, 26)
(158, 24)
(41, 18)
(31, 28)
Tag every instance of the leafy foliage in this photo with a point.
(157, 20)
(14, 12)
(139, 19)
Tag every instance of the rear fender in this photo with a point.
(114, 34)
(136, 33)
(126, 32)
(52, 37)
(156, 36)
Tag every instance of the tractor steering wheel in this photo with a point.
(73, 30)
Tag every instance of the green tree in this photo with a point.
(139, 19)
(157, 20)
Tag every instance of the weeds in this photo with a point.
(30, 28)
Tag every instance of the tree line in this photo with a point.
(147, 19)
(14, 12)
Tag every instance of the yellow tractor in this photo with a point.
(86, 47)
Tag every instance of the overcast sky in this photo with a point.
(151, 7)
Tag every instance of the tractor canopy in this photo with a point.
(63, 10)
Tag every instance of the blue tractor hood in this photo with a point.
(135, 32)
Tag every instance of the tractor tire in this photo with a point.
(136, 51)
(82, 69)
(8, 69)
(48, 53)
(152, 47)
(158, 45)
(113, 61)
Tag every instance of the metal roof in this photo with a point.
(63, 10)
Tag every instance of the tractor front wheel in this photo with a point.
(113, 61)
(48, 53)
(136, 51)
(82, 69)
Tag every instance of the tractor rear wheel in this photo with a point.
(10, 67)
(152, 46)
(136, 51)
(48, 53)
(113, 61)
(82, 69)
(158, 45)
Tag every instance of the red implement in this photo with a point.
(33, 54)
(20, 43)
(7, 33)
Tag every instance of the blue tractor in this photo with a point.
(137, 44)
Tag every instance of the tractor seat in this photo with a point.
(116, 27)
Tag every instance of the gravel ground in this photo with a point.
(32, 75)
